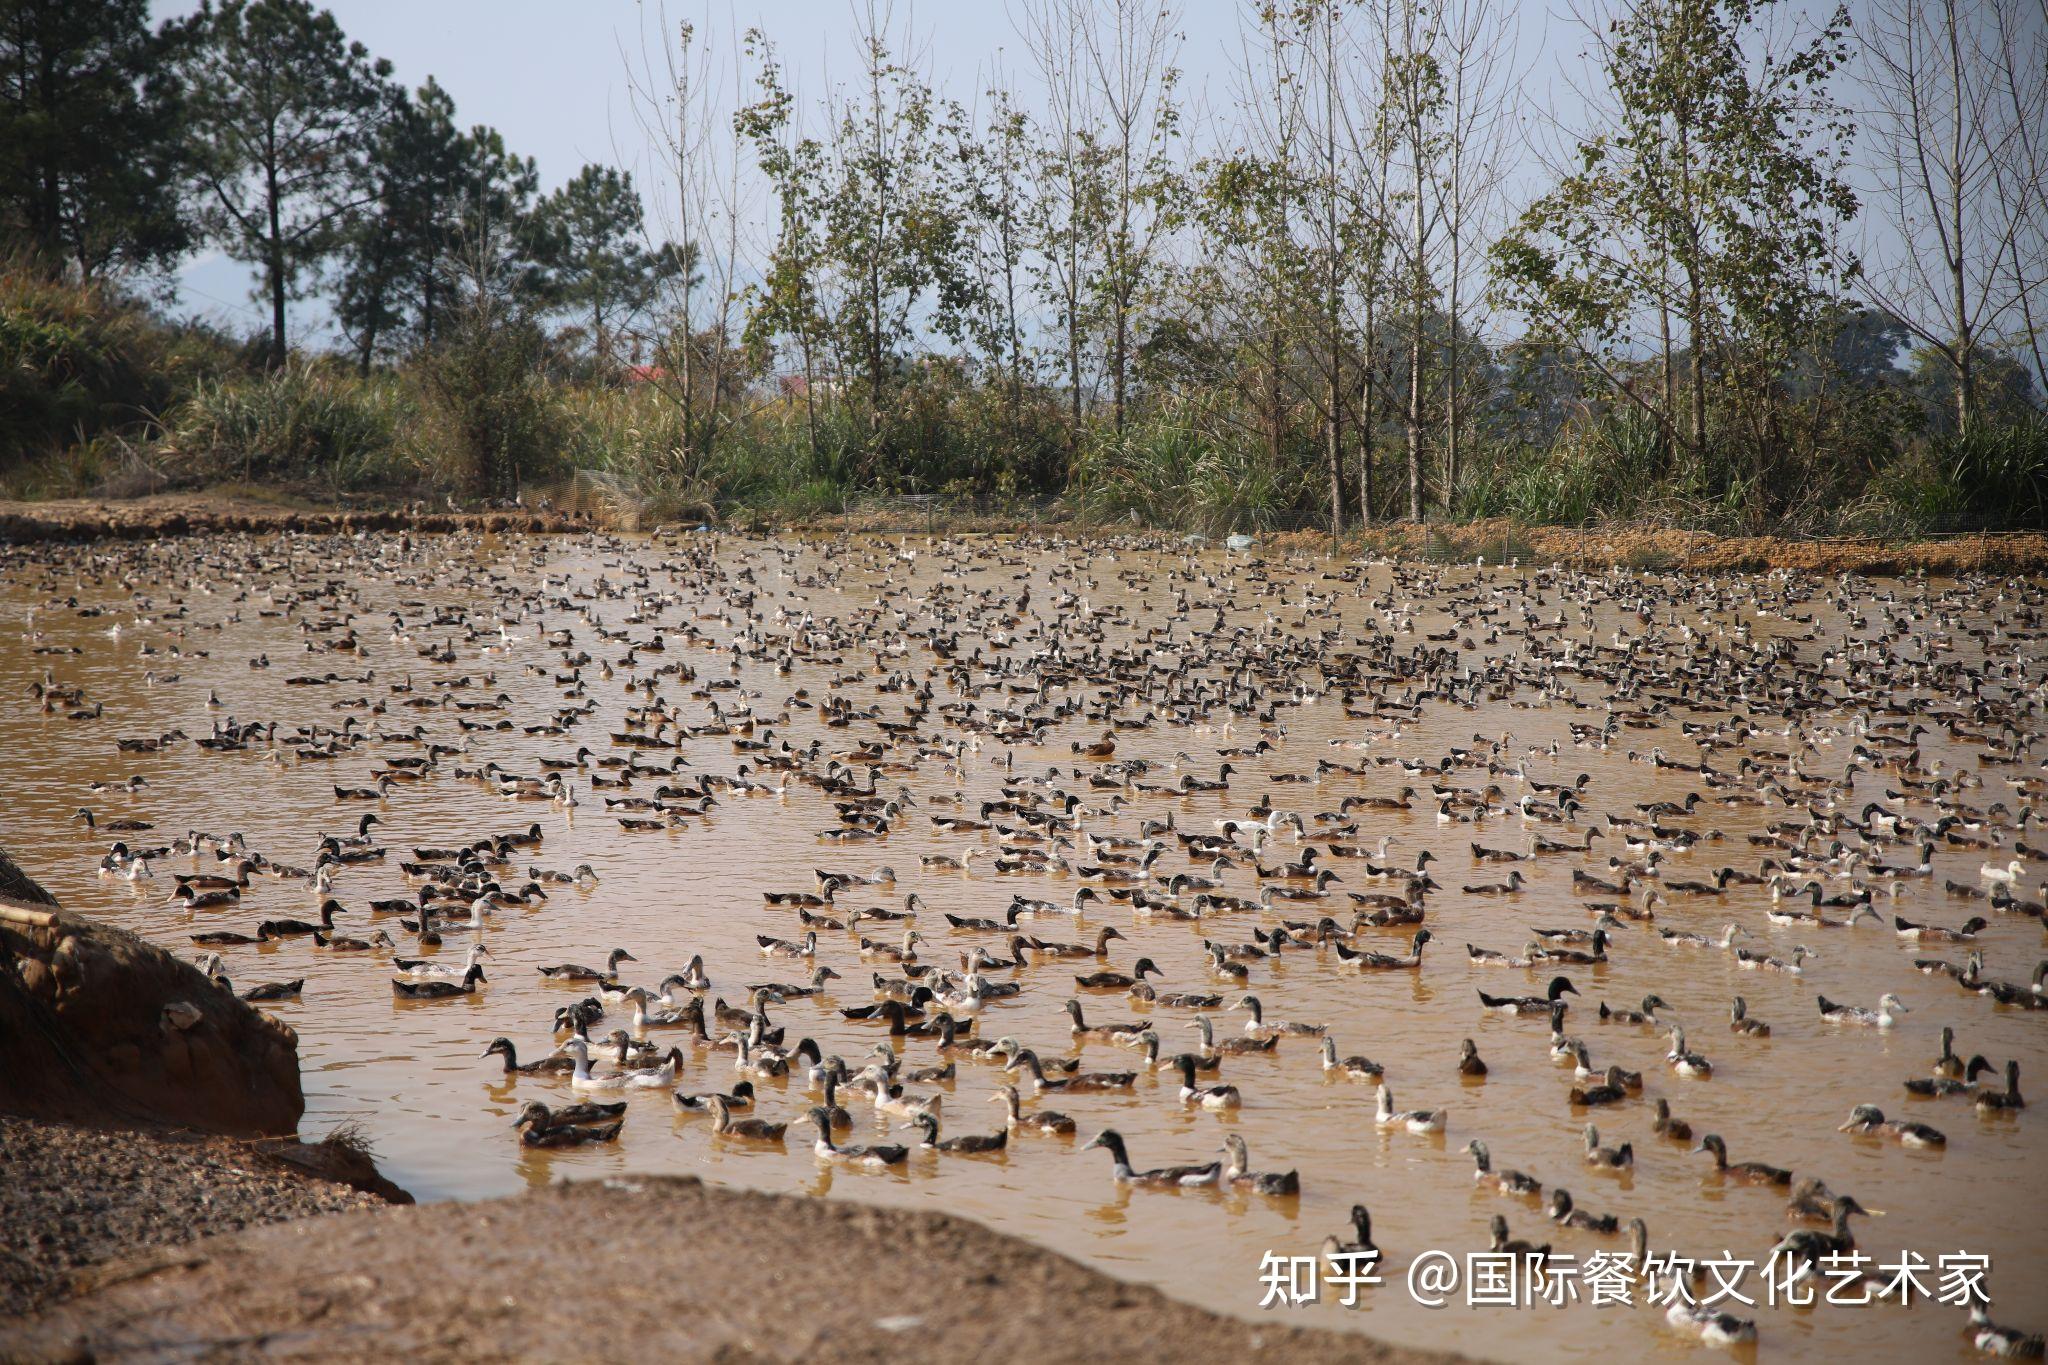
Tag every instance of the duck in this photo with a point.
(1886, 1015)
(926, 1124)
(1079, 1083)
(1470, 1063)
(1042, 1121)
(1183, 1177)
(876, 1156)
(1685, 1061)
(1664, 1125)
(1357, 1068)
(749, 1129)
(570, 971)
(2008, 1342)
(1612, 1089)
(1506, 1181)
(1563, 1212)
(439, 990)
(1237, 1172)
(1713, 1326)
(1559, 987)
(535, 1131)
(1867, 1120)
(741, 1096)
(1204, 1096)
(1360, 1243)
(1414, 1120)
(1500, 1242)
(554, 1065)
(1607, 1158)
(582, 1078)
(1937, 1087)
(1212, 1046)
(1804, 1249)
(1754, 1172)
(1740, 1022)
(1258, 1026)
(1108, 980)
(2007, 1101)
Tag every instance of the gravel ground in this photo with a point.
(661, 1269)
(74, 1197)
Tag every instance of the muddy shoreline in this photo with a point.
(680, 1269)
(1651, 548)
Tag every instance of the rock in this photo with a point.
(100, 1027)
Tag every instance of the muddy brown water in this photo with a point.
(440, 1116)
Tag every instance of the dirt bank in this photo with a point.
(193, 514)
(1664, 548)
(1499, 540)
(678, 1269)
(72, 1198)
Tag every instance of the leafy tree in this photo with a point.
(89, 152)
(1716, 198)
(391, 283)
(283, 111)
(589, 235)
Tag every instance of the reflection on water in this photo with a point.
(838, 642)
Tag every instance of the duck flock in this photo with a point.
(1105, 831)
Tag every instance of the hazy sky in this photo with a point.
(551, 75)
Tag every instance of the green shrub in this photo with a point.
(299, 424)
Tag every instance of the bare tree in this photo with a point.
(1958, 92)
(678, 88)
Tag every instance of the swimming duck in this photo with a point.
(1237, 1171)
(582, 1078)
(439, 990)
(1530, 1004)
(877, 1155)
(1664, 1125)
(1078, 1083)
(1108, 980)
(544, 1066)
(1964, 1083)
(1889, 1007)
(741, 1096)
(1470, 1063)
(1740, 1022)
(1755, 1172)
(1358, 1068)
(1121, 1170)
(570, 971)
(1204, 1096)
(972, 1144)
(535, 1131)
(1647, 1014)
(751, 1129)
(1867, 1120)
(1499, 1241)
(1562, 1212)
(1258, 1026)
(1806, 1248)
(1607, 1158)
(1214, 1046)
(1684, 1061)
(1713, 1326)
(1414, 1120)
(1613, 1089)
(1043, 1121)
(2006, 1101)
(1361, 1243)
(1506, 1181)
(2008, 1342)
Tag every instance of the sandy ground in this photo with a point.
(72, 1198)
(663, 1269)
(1646, 547)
